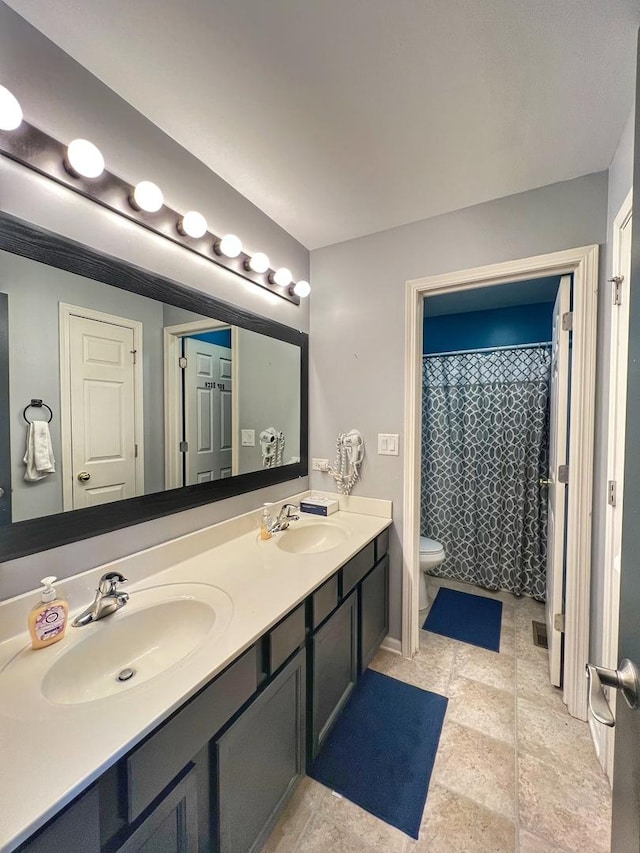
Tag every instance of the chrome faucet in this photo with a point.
(108, 599)
(286, 514)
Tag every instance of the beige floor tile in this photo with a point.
(555, 737)
(476, 766)
(306, 801)
(371, 829)
(482, 707)
(524, 647)
(323, 835)
(437, 650)
(488, 667)
(508, 640)
(417, 672)
(530, 843)
(532, 683)
(563, 806)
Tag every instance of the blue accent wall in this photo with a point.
(497, 327)
(221, 337)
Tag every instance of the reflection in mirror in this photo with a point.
(146, 396)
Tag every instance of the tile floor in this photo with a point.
(514, 772)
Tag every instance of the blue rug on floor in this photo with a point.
(471, 618)
(381, 750)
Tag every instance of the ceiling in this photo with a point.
(530, 292)
(340, 118)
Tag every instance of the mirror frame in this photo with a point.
(18, 539)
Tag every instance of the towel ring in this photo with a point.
(37, 404)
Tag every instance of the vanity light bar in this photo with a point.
(142, 203)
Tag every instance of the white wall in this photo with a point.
(620, 181)
(61, 97)
(357, 319)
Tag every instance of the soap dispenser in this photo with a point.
(266, 523)
(48, 619)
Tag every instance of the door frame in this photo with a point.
(582, 263)
(603, 736)
(172, 336)
(66, 311)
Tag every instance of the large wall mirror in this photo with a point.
(158, 398)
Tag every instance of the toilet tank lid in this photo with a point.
(429, 546)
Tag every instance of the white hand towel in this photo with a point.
(38, 456)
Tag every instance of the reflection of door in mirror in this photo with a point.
(101, 407)
(207, 406)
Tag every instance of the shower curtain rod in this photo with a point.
(486, 349)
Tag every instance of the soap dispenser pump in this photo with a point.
(48, 619)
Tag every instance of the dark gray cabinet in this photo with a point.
(172, 826)
(77, 828)
(374, 611)
(334, 669)
(259, 760)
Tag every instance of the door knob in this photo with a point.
(626, 679)
(83, 476)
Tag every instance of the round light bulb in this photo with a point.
(84, 159)
(282, 277)
(302, 289)
(147, 196)
(259, 262)
(10, 110)
(193, 224)
(230, 246)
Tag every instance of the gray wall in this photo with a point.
(35, 291)
(268, 394)
(61, 97)
(620, 181)
(357, 323)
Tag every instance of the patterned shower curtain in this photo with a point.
(485, 439)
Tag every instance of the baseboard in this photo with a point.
(390, 644)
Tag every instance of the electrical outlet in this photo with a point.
(319, 464)
(248, 438)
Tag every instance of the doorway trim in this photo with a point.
(67, 311)
(582, 263)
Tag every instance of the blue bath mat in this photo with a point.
(470, 618)
(380, 752)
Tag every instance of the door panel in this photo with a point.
(102, 385)
(557, 490)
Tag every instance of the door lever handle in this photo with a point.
(626, 679)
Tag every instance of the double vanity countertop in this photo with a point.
(50, 752)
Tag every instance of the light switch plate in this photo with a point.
(248, 438)
(388, 444)
(319, 464)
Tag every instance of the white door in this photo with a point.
(102, 386)
(557, 490)
(207, 411)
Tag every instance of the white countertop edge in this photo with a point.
(26, 817)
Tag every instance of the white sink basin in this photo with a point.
(312, 538)
(159, 627)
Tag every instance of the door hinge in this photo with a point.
(567, 321)
(182, 362)
(135, 450)
(558, 622)
(184, 447)
(616, 281)
(133, 353)
(612, 488)
(563, 473)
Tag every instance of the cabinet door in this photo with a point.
(260, 759)
(374, 611)
(77, 829)
(172, 827)
(334, 656)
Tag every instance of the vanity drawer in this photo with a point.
(155, 763)
(357, 568)
(324, 601)
(382, 544)
(286, 638)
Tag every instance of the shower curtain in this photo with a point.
(485, 439)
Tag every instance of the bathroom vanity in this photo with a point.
(205, 754)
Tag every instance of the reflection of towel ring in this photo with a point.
(37, 404)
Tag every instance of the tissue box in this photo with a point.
(319, 506)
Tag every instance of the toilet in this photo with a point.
(431, 554)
